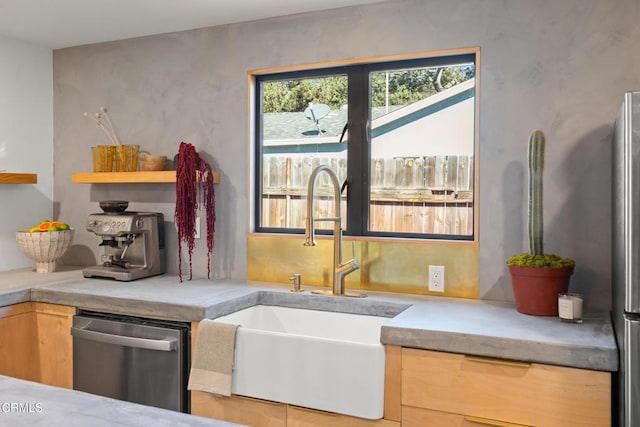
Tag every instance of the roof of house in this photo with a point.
(296, 125)
(286, 132)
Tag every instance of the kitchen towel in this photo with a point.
(213, 358)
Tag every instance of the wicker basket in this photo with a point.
(44, 248)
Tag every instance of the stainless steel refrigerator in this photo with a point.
(626, 256)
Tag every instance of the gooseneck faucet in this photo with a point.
(340, 269)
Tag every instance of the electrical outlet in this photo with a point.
(436, 278)
(197, 236)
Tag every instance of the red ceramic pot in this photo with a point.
(536, 289)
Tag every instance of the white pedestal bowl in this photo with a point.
(45, 248)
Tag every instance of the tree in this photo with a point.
(402, 87)
(295, 95)
(409, 86)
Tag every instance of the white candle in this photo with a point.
(570, 307)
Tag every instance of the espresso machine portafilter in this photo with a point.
(133, 244)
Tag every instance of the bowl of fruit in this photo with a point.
(45, 243)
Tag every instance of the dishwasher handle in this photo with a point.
(123, 340)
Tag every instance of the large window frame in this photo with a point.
(358, 145)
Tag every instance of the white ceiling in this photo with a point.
(62, 23)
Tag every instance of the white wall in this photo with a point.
(26, 142)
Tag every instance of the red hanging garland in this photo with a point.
(192, 168)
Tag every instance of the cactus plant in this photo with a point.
(536, 168)
(536, 256)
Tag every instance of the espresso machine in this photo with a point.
(133, 242)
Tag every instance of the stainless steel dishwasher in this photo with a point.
(130, 358)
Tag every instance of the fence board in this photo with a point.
(408, 194)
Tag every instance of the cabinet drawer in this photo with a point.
(419, 417)
(521, 393)
(303, 417)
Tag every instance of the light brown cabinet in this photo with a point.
(392, 383)
(443, 389)
(303, 417)
(262, 413)
(36, 344)
(426, 417)
(18, 356)
(240, 410)
(54, 344)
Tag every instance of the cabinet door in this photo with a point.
(18, 355)
(529, 394)
(54, 344)
(241, 410)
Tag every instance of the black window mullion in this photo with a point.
(357, 152)
(258, 157)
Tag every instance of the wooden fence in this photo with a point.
(430, 195)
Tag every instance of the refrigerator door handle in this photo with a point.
(631, 372)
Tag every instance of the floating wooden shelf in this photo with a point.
(18, 178)
(129, 177)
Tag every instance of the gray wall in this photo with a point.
(556, 65)
(26, 132)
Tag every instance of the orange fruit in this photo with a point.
(56, 223)
(44, 226)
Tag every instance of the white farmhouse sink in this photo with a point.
(316, 359)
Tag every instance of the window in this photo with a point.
(400, 135)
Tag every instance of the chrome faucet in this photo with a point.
(340, 269)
